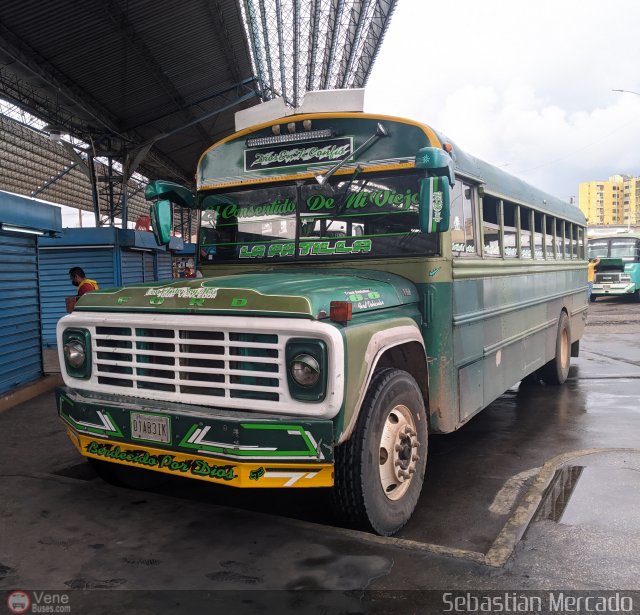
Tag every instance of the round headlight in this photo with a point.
(305, 370)
(74, 354)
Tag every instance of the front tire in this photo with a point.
(379, 471)
(556, 371)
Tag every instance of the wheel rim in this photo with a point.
(564, 349)
(398, 452)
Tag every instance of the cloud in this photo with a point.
(527, 86)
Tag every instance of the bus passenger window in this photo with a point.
(462, 224)
(525, 232)
(574, 241)
(566, 234)
(510, 230)
(537, 235)
(581, 241)
(550, 222)
(559, 239)
(490, 226)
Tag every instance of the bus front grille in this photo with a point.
(609, 277)
(190, 362)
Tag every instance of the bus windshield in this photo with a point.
(625, 248)
(352, 217)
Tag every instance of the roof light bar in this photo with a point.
(294, 137)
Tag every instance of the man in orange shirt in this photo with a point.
(591, 276)
(84, 284)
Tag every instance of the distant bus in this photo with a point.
(365, 281)
(618, 273)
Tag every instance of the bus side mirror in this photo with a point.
(435, 189)
(162, 189)
(160, 213)
(434, 205)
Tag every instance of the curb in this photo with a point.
(29, 391)
(513, 530)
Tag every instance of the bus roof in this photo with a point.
(503, 185)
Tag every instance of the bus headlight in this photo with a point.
(74, 354)
(76, 348)
(307, 367)
(305, 370)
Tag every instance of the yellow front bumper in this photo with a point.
(210, 469)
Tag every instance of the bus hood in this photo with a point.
(301, 292)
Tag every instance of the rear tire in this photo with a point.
(123, 476)
(379, 471)
(593, 298)
(557, 370)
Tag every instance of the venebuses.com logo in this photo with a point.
(19, 601)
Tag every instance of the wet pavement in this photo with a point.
(483, 521)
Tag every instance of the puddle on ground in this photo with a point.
(603, 497)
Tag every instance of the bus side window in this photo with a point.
(559, 240)
(566, 236)
(573, 234)
(491, 226)
(550, 224)
(510, 230)
(537, 235)
(462, 221)
(525, 232)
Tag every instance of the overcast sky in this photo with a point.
(526, 85)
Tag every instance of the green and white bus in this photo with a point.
(618, 272)
(365, 283)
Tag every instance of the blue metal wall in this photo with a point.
(20, 342)
(98, 264)
(164, 264)
(20, 350)
(137, 266)
(112, 257)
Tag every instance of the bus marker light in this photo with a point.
(340, 311)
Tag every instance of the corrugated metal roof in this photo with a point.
(128, 71)
(153, 83)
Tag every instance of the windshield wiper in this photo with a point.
(381, 131)
(342, 199)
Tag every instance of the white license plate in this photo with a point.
(150, 427)
(605, 286)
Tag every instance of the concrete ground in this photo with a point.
(538, 492)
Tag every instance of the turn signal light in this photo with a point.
(340, 311)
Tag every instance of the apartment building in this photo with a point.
(612, 202)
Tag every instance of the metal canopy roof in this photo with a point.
(145, 86)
